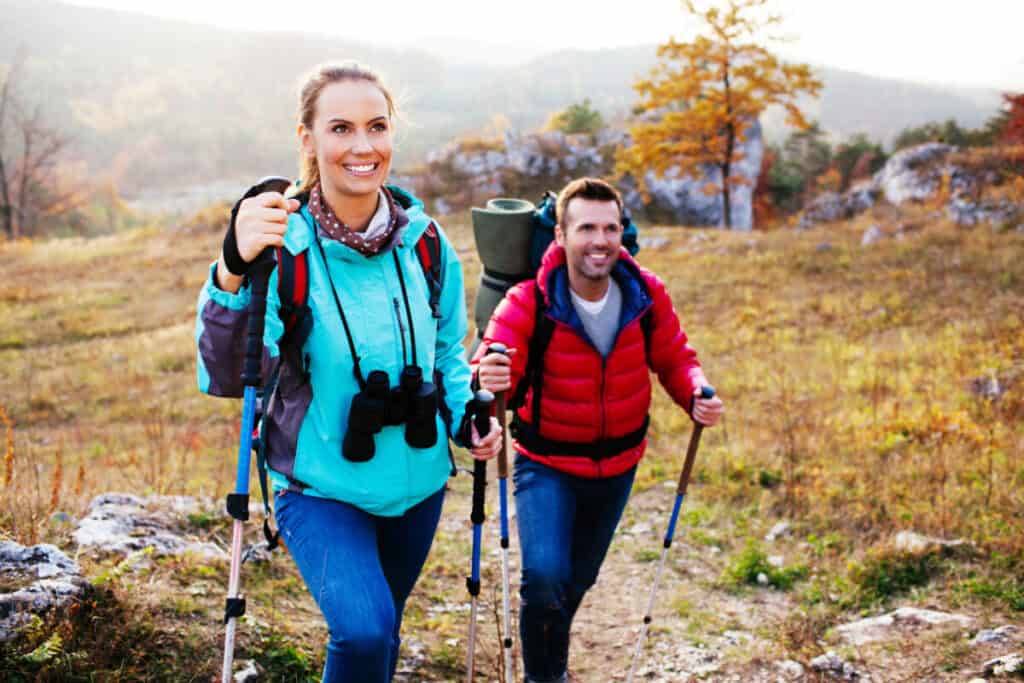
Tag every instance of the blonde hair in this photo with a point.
(312, 85)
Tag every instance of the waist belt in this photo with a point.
(602, 449)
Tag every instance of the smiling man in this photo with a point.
(581, 337)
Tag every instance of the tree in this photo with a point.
(858, 158)
(1011, 128)
(700, 102)
(577, 118)
(31, 151)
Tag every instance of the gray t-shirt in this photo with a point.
(600, 318)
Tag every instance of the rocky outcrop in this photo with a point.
(834, 206)
(913, 174)
(34, 581)
(918, 174)
(684, 197)
(470, 172)
(122, 523)
(881, 627)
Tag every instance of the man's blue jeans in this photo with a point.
(360, 569)
(566, 524)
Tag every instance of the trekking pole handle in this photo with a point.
(500, 399)
(706, 391)
(482, 401)
(259, 275)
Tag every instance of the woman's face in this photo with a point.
(350, 139)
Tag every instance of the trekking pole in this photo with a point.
(706, 391)
(238, 502)
(503, 501)
(481, 420)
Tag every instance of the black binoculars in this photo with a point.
(413, 402)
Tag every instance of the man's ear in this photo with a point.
(559, 235)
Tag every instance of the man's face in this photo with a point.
(591, 233)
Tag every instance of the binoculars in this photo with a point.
(413, 403)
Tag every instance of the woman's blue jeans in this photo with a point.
(360, 569)
(566, 524)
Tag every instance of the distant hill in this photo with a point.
(166, 103)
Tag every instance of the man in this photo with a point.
(581, 427)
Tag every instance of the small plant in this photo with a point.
(752, 563)
(885, 574)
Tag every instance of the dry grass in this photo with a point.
(847, 372)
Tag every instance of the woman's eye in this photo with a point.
(380, 127)
(339, 128)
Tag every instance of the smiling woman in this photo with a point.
(372, 377)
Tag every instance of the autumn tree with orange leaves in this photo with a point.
(700, 102)
(1012, 130)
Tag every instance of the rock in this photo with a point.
(250, 673)
(653, 242)
(913, 174)
(777, 561)
(762, 579)
(791, 670)
(831, 663)
(871, 235)
(966, 211)
(1007, 664)
(914, 543)
(829, 207)
(778, 531)
(1003, 634)
(823, 247)
(123, 523)
(880, 627)
(736, 637)
(45, 579)
(684, 198)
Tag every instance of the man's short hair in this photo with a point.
(586, 188)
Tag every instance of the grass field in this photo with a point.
(869, 389)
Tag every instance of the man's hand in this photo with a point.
(494, 371)
(707, 411)
(487, 447)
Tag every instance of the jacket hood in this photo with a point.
(553, 283)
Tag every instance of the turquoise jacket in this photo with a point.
(308, 412)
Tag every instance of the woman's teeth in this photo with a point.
(361, 169)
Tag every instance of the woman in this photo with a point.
(358, 480)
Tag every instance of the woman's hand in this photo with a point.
(494, 371)
(487, 447)
(260, 223)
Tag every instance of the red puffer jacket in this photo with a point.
(586, 400)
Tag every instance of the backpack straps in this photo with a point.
(533, 375)
(428, 251)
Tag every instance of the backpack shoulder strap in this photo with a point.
(533, 375)
(293, 293)
(428, 251)
(647, 325)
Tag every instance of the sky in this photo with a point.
(946, 42)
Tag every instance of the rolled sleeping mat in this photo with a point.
(503, 232)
